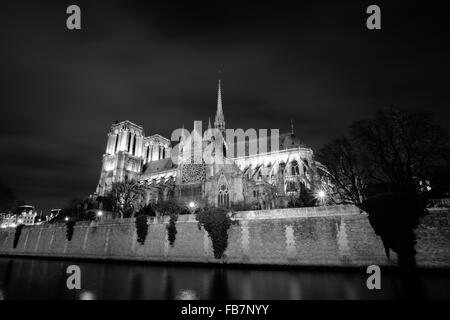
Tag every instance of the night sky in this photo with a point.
(158, 66)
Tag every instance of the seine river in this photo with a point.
(46, 279)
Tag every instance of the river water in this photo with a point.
(46, 279)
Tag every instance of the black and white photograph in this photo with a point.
(232, 154)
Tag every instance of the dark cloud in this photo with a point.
(157, 64)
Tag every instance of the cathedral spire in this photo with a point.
(219, 122)
(209, 122)
(183, 136)
(292, 127)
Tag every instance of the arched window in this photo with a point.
(290, 186)
(223, 198)
(133, 150)
(117, 142)
(224, 150)
(294, 168)
(129, 141)
(281, 168)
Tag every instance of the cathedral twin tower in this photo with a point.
(128, 150)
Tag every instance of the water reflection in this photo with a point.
(46, 279)
(168, 285)
(186, 294)
(87, 295)
(219, 285)
(136, 287)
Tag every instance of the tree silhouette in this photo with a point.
(128, 197)
(379, 166)
(344, 169)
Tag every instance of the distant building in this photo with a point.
(25, 214)
(267, 178)
(54, 213)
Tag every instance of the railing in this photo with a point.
(320, 211)
(335, 210)
(440, 203)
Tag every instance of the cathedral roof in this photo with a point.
(126, 124)
(158, 166)
(290, 140)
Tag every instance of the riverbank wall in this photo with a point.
(333, 236)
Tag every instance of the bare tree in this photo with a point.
(397, 147)
(391, 151)
(128, 197)
(378, 168)
(343, 168)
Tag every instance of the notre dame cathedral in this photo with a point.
(263, 179)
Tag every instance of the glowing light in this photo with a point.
(87, 295)
(321, 196)
(192, 204)
(20, 221)
(100, 213)
(66, 218)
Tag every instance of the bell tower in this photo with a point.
(123, 158)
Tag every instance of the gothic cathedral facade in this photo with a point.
(255, 180)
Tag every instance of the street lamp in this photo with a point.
(191, 206)
(66, 219)
(99, 214)
(321, 195)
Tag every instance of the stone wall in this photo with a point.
(433, 239)
(324, 236)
